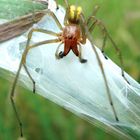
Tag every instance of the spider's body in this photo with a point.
(72, 33)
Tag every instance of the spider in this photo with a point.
(74, 33)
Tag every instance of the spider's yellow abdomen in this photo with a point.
(74, 13)
(79, 10)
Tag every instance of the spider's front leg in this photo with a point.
(81, 59)
(28, 47)
(96, 22)
(58, 54)
(23, 62)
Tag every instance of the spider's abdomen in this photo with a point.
(71, 34)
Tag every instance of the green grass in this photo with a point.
(44, 120)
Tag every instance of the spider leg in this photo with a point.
(66, 3)
(28, 73)
(26, 52)
(106, 83)
(101, 66)
(30, 34)
(107, 35)
(22, 62)
(12, 99)
(88, 22)
(36, 45)
(58, 54)
(55, 19)
(82, 60)
(95, 10)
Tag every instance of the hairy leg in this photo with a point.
(100, 65)
(22, 62)
(96, 22)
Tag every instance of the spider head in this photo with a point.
(73, 14)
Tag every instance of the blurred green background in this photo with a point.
(44, 120)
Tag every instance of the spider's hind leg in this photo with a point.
(106, 35)
(108, 92)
